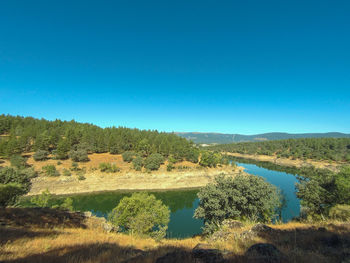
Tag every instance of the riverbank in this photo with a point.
(47, 235)
(97, 181)
(297, 163)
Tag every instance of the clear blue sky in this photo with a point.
(221, 66)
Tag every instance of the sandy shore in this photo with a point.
(97, 181)
(289, 162)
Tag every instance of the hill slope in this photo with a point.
(220, 138)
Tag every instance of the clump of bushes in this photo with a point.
(41, 155)
(108, 168)
(75, 167)
(128, 156)
(66, 172)
(340, 212)
(18, 161)
(154, 161)
(79, 155)
(137, 163)
(50, 170)
(141, 214)
(170, 167)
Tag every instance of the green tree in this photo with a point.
(154, 161)
(40, 155)
(42, 200)
(62, 149)
(141, 214)
(79, 155)
(50, 170)
(9, 193)
(128, 156)
(244, 197)
(18, 161)
(137, 163)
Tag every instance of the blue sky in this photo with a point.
(212, 66)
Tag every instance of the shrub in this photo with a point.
(67, 204)
(66, 172)
(59, 163)
(244, 197)
(137, 163)
(79, 155)
(170, 167)
(75, 167)
(40, 155)
(154, 161)
(21, 177)
(9, 193)
(18, 161)
(42, 200)
(128, 156)
(109, 168)
(50, 170)
(340, 212)
(141, 214)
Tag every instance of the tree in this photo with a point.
(141, 214)
(244, 197)
(154, 161)
(18, 161)
(40, 155)
(128, 156)
(50, 170)
(79, 155)
(14, 183)
(62, 149)
(42, 200)
(137, 163)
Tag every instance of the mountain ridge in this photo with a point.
(221, 138)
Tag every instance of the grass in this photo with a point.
(46, 235)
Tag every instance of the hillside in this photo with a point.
(220, 138)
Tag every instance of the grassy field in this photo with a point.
(44, 235)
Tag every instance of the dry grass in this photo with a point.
(49, 240)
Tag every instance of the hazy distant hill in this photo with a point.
(210, 138)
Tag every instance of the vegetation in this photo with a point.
(137, 163)
(42, 200)
(244, 197)
(108, 168)
(128, 156)
(66, 139)
(141, 214)
(330, 149)
(40, 155)
(50, 170)
(154, 161)
(322, 190)
(18, 162)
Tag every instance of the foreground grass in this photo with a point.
(51, 236)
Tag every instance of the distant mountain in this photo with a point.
(219, 138)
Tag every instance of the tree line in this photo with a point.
(66, 139)
(334, 149)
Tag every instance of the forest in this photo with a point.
(66, 139)
(330, 149)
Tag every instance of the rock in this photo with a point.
(261, 228)
(87, 214)
(174, 257)
(232, 223)
(264, 252)
(204, 254)
(247, 234)
(109, 227)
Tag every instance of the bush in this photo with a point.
(9, 193)
(66, 172)
(21, 177)
(50, 170)
(137, 163)
(79, 155)
(244, 197)
(154, 161)
(67, 204)
(40, 155)
(340, 212)
(170, 167)
(59, 163)
(109, 168)
(18, 161)
(141, 214)
(128, 156)
(42, 200)
(75, 167)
